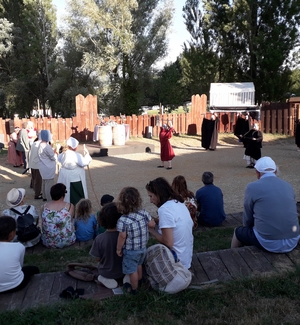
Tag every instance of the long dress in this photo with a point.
(166, 150)
(209, 134)
(72, 174)
(57, 228)
(14, 157)
(253, 147)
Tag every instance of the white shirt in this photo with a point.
(11, 257)
(175, 215)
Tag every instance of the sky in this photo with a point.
(178, 31)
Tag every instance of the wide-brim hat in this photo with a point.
(15, 196)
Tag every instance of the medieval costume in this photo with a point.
(209, 133)
(252, 141)
(166, 150)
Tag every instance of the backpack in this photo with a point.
(164, 272)
(26, 229)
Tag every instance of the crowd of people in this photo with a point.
(120, 230)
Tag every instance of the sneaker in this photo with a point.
(108, 283)
(126, 279)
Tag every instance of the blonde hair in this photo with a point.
(83, 210)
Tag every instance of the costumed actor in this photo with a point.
(72, 172)
(209, 132)
(166, 150)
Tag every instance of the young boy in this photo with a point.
(13, 276)
(104, 248)
(133, 235)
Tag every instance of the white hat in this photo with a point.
(265, 165)
(15, 196)
(72, 142)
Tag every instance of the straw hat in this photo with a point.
(15, 196)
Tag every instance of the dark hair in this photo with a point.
(83, 210)
(7, 225)
(207, 178)
(163, 190)
(179, 186)
(129, 200)
(109, 216)
(58, 191)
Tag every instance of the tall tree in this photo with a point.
(253, 40)
(121, 41)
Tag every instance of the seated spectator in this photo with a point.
(180, 187)
(105, 199)
(85, 221)
(210, 202)
(13, 275)
(105, 246)
(270, 218)
(57, 219)
(15, 200)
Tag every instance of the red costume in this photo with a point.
(166, 150)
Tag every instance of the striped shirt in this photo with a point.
(135, 225)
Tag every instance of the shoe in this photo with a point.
(160, 166)
(169, 168)
(38, 197)
(108, 283)
(16, 166)
(126, 279)
(44, 199)
(250, 166)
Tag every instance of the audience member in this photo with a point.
(47, 164)
(133, 235)
(72, 172)
(180, 187)
(210, 202)
(270, 218)
(85, 221)
(175, 223)
(15, 200)
(14, 157)
(105, 199)
(57, 219)
(13, 275)
(105, 246)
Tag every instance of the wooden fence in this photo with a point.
(274, 118)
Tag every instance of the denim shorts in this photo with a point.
(132, 259)
(247, 237)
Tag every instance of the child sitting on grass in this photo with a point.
(13, 276)
(133, 235)
(104, 248)
(85, 222)
(105, 199)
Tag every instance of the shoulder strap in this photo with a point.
(18, 212)
(27, 209)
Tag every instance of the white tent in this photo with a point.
(235, 96)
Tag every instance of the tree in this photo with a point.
(121, 41)
(253, 40)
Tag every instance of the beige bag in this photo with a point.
(164, 273)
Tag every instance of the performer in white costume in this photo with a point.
(72, 172)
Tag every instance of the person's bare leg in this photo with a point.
(140, 272)
(134, 280)
(235, 243)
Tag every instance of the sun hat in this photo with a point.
(265, 165)
(106, 198)
(15, 196)
(72, 142)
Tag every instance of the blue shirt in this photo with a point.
(85, 230)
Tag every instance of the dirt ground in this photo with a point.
(110, 174)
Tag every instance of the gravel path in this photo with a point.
(111, 174)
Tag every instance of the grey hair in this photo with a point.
(207, 178)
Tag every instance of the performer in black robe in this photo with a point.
(209, 133)
(241, 127)
(297, 134)
(252, 141)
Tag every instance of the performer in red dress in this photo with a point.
(166, 150)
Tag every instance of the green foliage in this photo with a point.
(242, 41)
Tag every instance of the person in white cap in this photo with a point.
(15, 200)
(270, 218)
(72, 172)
